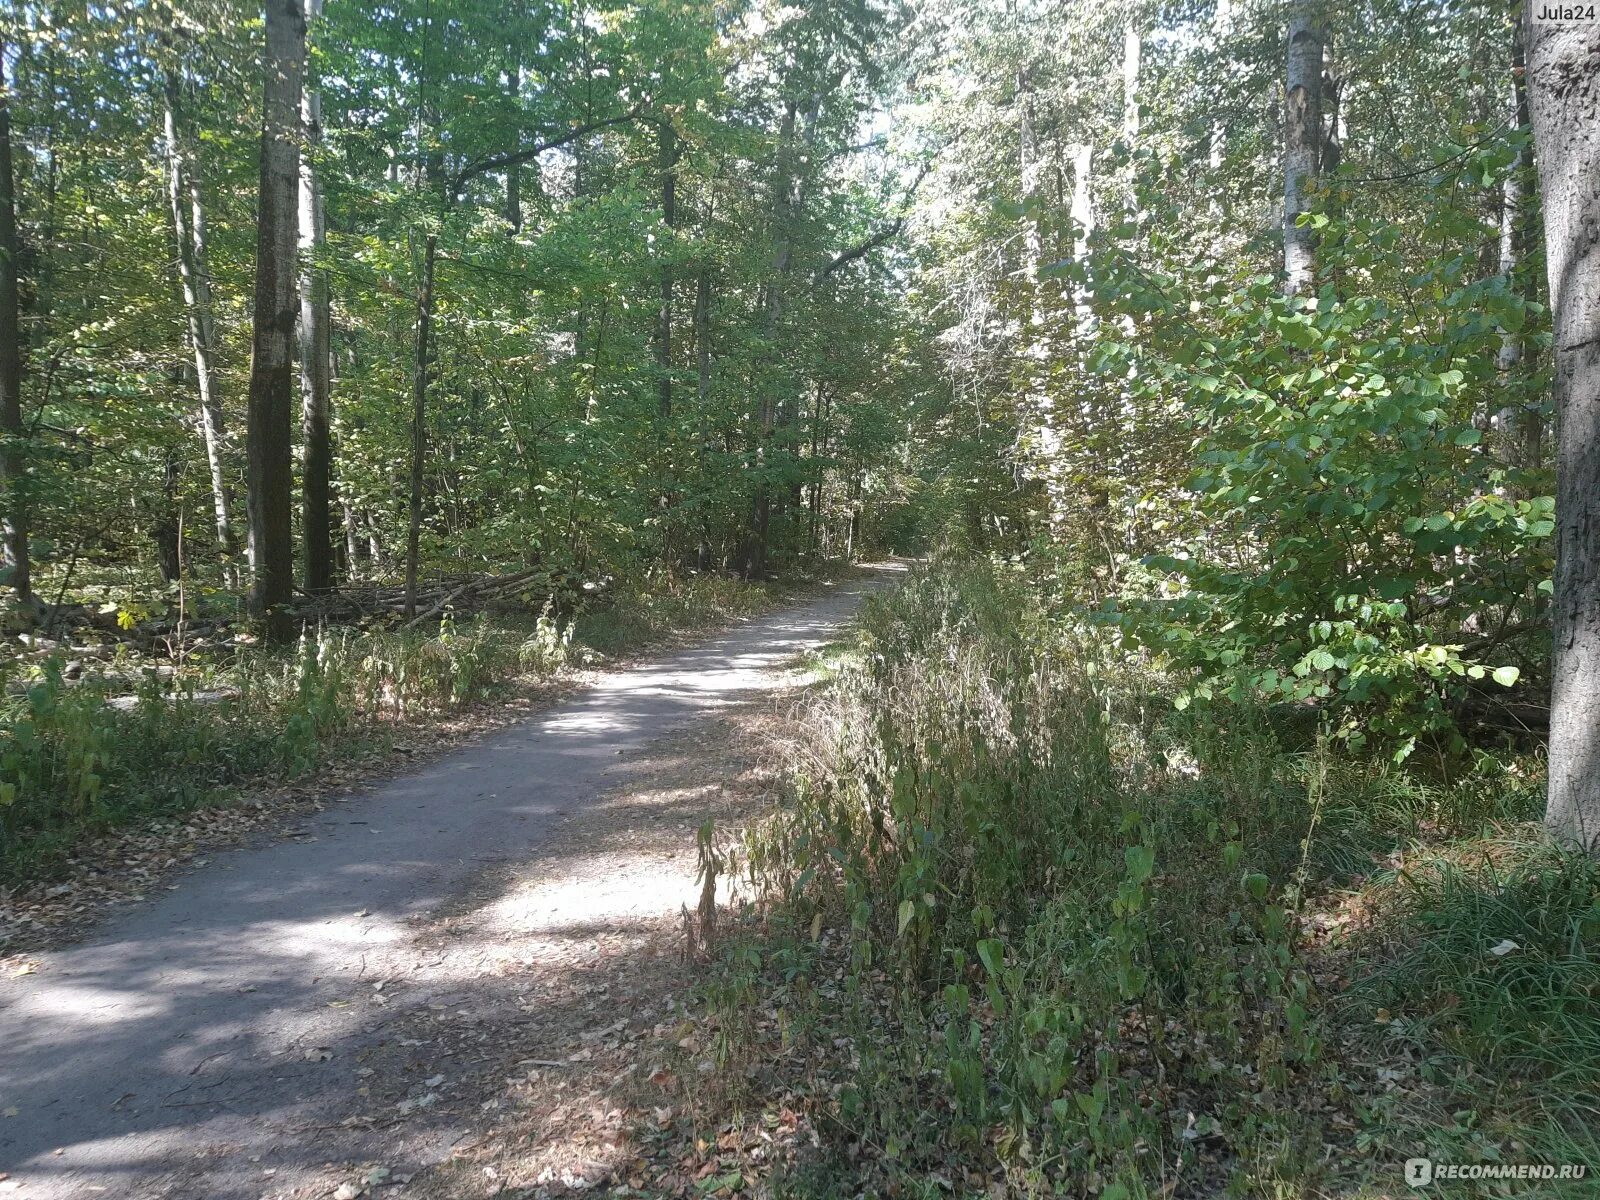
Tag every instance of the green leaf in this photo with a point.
(1090, 1104)
(1140, 861)
(908, 912)
(1506, 676)
(993, 953)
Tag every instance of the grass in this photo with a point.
(1032, 930)
(650, 611)
(72, 766)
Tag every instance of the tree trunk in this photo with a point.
(1221, 36)
(316, 515)
(13, 453)
(1132, 45)
(669, 215)
(167, 532)
(352, 539)
(419, 413)
(514, 171)
(1083, 224)
(1564, 96)
(1302, 139)
(783, 206)
(188, 229)
(702, 392)
(819, 444)
(702, 338)
(1521, 427)
(514, 198)
(269, 467)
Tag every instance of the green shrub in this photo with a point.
(71, 765)
(1086, 910)
(644, 613)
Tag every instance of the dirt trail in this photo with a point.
(297, 1007)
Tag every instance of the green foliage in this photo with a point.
(644, 613)
(545, 439)
(1094, 924)
(1340, 500)
(1360, 541)
(1506, 959)
(73, 764)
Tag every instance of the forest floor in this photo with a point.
(402, 998)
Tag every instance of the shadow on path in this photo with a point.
(205, 1034)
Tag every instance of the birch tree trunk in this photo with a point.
(188, 230)
(269, 469)
(1521, 427)
(1302, 138)
(1564, 99)
(1132, 46)
(1512, 203)
(13, 460)
(1038, 405)
(316, 514)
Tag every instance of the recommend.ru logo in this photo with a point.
(1420, 1172)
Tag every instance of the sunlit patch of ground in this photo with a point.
(568, 976)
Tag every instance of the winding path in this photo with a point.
(208, 1032)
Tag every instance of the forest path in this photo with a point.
(242, 1033)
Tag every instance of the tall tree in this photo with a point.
(194, 275)
(785, 203)
(1302, 141)
(1132, 45)
(316, 514)
(667, 154)
(13, 460)
(269, 463)
(1564, 101)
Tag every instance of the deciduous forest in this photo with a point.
(1202, 397)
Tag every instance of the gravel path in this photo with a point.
(206, 1044)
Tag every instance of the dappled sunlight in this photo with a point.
(202, 1034)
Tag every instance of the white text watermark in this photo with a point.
(1421, 1172)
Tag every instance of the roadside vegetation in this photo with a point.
(1216, 814)
(1025, 925)
(101, 733)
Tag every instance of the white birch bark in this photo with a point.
(1302, 137)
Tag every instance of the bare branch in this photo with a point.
(888, 233)
(499, 162)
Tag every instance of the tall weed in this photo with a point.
(1085, 914)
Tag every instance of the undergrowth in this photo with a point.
(72, 764)
(1031, 929)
